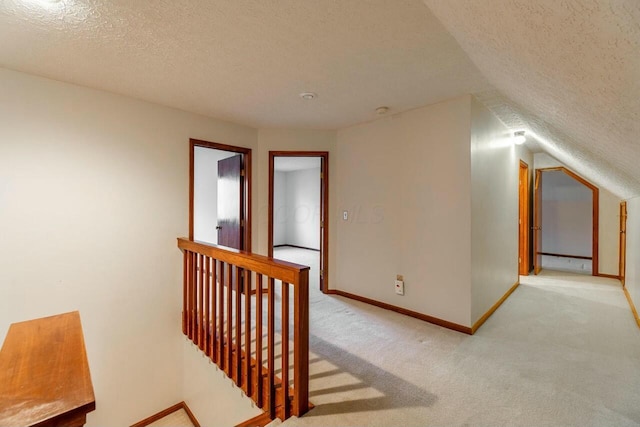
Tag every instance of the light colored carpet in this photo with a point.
(563, 350)
(178, 418)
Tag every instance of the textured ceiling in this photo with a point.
(245, 60)
(566, 70)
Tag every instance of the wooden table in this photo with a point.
(44, 374)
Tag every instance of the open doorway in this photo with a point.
(220, 194)
(298, 210)
(565, 222)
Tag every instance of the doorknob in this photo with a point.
(218, 227)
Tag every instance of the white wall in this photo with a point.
(572, 265)
(93, 193)
(303, 208)
(279, 208)
(296, 201)
(495, 164)
(567, 226)
(205, 193)
(632, 276)
(609, 221)
(405, 181)
(213, 397)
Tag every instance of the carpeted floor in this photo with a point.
(563, 350)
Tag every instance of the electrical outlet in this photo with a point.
(399, 287)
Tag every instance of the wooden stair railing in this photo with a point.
(44, 374)
(225, 316)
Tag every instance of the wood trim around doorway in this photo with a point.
(622, 261)
(595, 213)
(324, 253)
(523, 219)
(246, 209)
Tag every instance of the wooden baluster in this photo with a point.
(207, 302)
(192, 288)
(258, 385)
(301, 345)
(285, 351)
(194, 299)
(229, 347)
(218, 333)
(200, 305)
(247, 331)
(214, 287)
(271, 344)
(185, 285)
(238, 287)
(221, 346)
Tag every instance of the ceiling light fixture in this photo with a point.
(308, 96)
(382, 110)
(519, 138)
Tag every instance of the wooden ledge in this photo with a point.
(44, 373)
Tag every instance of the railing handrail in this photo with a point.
(218, 315)
(277, 269)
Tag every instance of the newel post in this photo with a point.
(301, 344)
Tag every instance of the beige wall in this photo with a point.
(609, 221)
(93, 193)
(405, 181)
(609, 233)
(632, 277)
(495, 164)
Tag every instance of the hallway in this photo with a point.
(562, 350)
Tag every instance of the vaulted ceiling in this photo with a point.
(568, 71)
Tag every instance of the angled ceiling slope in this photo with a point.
(568, 71)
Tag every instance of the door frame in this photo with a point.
(623, 242)
(324, 208)
(537, 223)
(245, 210)
(595, 214)
(523, 219)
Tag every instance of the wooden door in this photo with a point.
(523, 220)
(623, 240)
(537, 223)
(230, 202)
